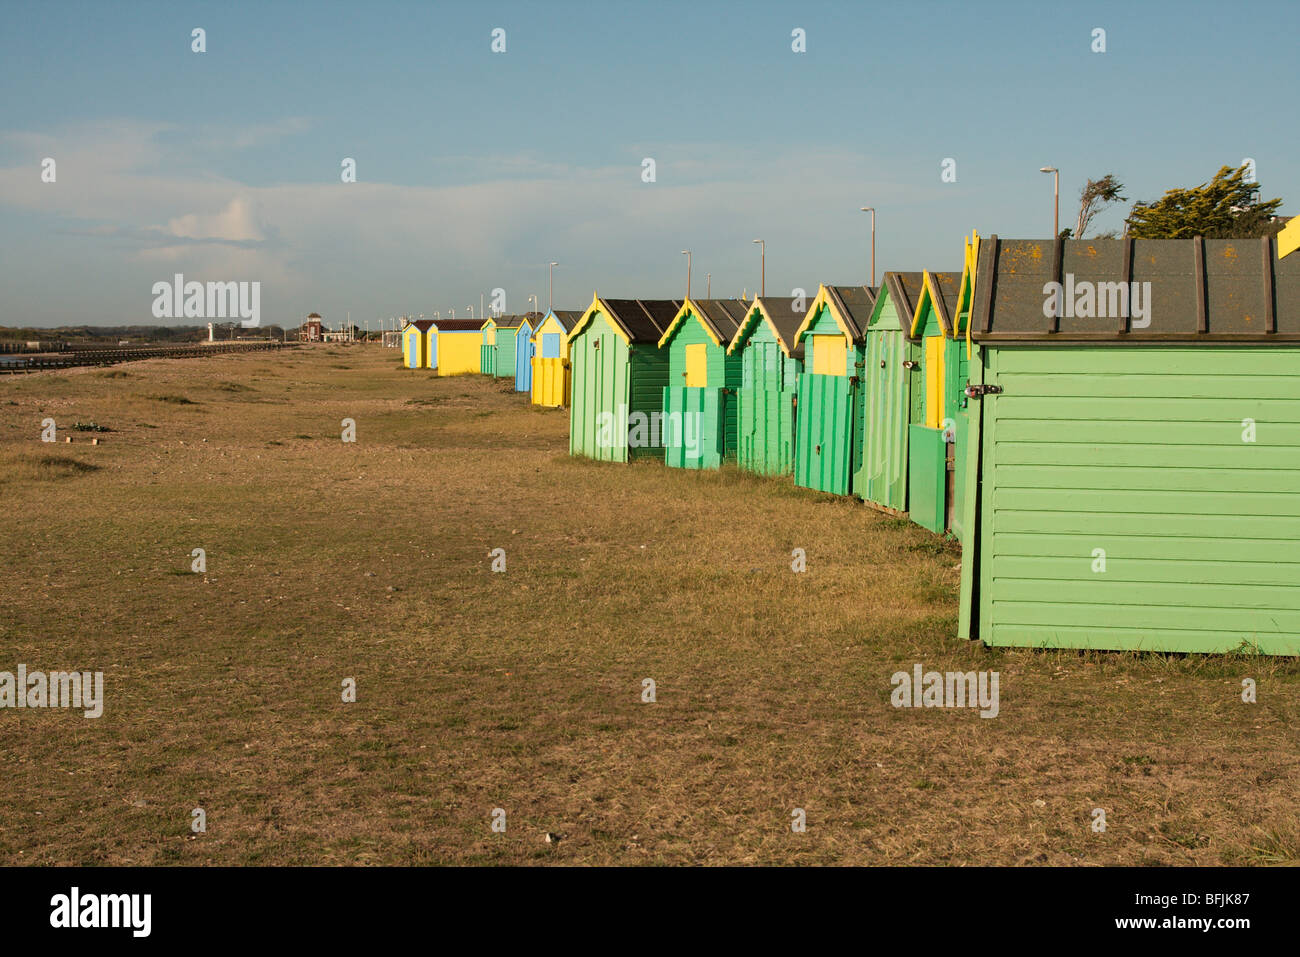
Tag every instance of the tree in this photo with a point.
(1227, 207)
(1096, 195)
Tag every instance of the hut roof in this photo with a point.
(455, 325)
(943, 290)
(421, 324)
(1201, 290)
(641, 320)
(780, 314)
(850, 305)
(722, 317)
(568, 318)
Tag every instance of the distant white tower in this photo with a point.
(210, 336)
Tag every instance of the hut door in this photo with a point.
(824, 444)
(697, 366)
(692, 427)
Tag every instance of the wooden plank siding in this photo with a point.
(1139, 451)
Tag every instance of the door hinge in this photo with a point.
(979, 391)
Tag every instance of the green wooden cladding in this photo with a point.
(765, 408)
(723, 373)
(487, 361)
(504, 361)
(830, 417)
(619, 380)
(766, 430)
(1141, 456)
(693, 426)
(893, 394)
(824, 444)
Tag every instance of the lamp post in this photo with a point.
(1056, 197)
(762, 282)
(533, 300)
(550, 286)
(708, 287)
(687, 254)
(872, 211)
(470, 307)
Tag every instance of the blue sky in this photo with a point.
(475, 169)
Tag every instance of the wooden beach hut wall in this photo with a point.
(1132, 482)
(457, 344)
(618, 378)
(415, 344)
(892, 392)
(826, 453)
(700, 398)
(934, 440)
(524, 354)
(551, 373)
(507, 329)
(487, 362)
(770, 364)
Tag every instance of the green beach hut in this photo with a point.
(936, 436)
(893, 394)
(770, 364)
(1135, 446)
(829, 417)
(618, 374)
(699, 401)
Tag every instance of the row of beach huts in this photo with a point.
(1110, 427)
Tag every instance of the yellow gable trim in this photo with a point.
(688, 307)
(1288, 240)
(823, 298)
(764, 317)
(595, 307)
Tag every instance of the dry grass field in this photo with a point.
(522, 690)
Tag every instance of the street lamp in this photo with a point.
(687, 254)
(550, 285)
(470, 307)
(762, 286)
(872, 211)
(708, 288)
(533, 300)
(1056, 197)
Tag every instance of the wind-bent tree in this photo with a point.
(1227, 207)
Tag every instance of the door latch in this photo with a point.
(979, 391)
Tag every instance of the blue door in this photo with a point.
(523, 364)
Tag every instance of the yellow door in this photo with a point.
(697, 366)
(934, 381)
(830, 355)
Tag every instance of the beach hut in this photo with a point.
(770, 364)
(699, 401)
(507, 329)
(1135, 436)
(456, 346)
(933, 439)
(415, 344)
(618, 377)
(524, 353)
(892, 393)
(826, 455)
(551, 374)
(487, 362)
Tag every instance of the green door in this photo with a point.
(927, 476)
(766, 431)
(887, 395)
(599, 416)
(487, 359)
(824, 445)
(692, 427)
(1141, 497)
